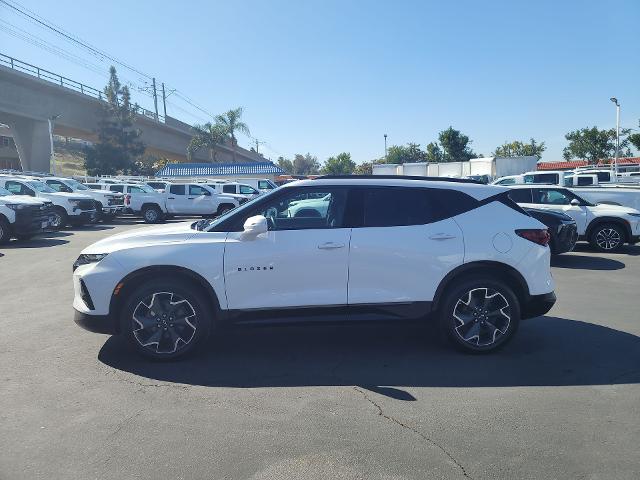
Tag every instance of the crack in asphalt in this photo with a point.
(432, 442)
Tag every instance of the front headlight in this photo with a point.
(87, 258)
(16, 206)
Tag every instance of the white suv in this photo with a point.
(358, 248)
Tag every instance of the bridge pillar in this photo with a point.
(33, 142)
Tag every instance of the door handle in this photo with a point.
(330, 246)
(191, 198)
(171, 198)
(442, 236)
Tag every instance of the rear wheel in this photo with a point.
(222, 209)
(607, 237)
(166, 320)
(5, 231)
(480, 315)
(151, 214)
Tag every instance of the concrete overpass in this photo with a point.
(30, 96)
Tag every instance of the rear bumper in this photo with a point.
(96, 323)
(538, 305)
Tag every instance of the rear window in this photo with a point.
(177, 189)
(391, 207)
(229, 188)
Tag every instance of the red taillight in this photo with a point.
(535, 235)
(127, 199)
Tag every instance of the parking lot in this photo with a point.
(359, 401)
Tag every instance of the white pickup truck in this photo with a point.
(179, 199)
(68, 208)
(108, 203)
(22, 217)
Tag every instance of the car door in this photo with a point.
(405, 244)
(559, 200)
(200, 200)
(177, 201)
(301, 261)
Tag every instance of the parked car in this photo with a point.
(22, 217)
(234, 188)
(68, 208)
(179, 199)
(605, 227)
(158, 185)
(461, 253)
(562, 229)
(108, 204)
(262, 184)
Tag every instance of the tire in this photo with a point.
(157, 329)
(479, 314)
(607, 237)
(222, 209)
(60, 218)
(151, 214)
(5, 231)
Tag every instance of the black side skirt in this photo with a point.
(331, 314)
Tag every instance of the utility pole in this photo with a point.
(258, 143)
(615, 159)
(155, 97)
(164, 103)
(385, 147)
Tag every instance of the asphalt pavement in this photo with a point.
(321, 402)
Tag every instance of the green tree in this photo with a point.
(411, 153)
(520, 149)
(285, 164)
(341, 164)
(148, 165)
(434, 153)
(593, 144)
(305, 165)
(635, 138)
(364, 168)
(118, 141)
(231, 123)
(455, 146)
(207, 136)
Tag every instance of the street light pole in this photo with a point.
(615, 159)
(385, 147)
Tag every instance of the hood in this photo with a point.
(24, 199)
(67, 196)
(146, 237)
(615, 209)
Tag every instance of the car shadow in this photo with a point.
(630, 250)
(547, 351)
(585, 262)
(35, 242)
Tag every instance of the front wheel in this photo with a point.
(5, 231)
(165, 320)
(480, 315)
(151, 214)
(59, 218)
(224, 209)
(607, 237)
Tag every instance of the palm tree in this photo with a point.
(206, 136)
(230, 122)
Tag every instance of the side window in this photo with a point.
(520, 195)
(228, 189)
(390, 207)
(177, 189)
(198, 190)
(18, 188)
(550, 196)
(604, 176)
(247, 190)
(134, 189)
(507, 181)
(305, 209)
(264, 185)
(117, 188)
(58, 186)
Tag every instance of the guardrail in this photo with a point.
(65, 82)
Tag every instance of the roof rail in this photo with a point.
(399, 177)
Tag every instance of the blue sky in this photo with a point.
(331, 76)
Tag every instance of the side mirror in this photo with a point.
(254, 226)
(575, 202)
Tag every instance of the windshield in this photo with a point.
(4, 192)
(40, 187)
(76, 185)
(145, 188)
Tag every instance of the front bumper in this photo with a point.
(32, 221)
(538, 305)
(96, 323)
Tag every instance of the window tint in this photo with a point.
(507, 181)
(549, 196)
(264, 185)
(177, 189)
(198, 190)
(134, 189)
(94, 187)
(388, 207)
(585, 180)
(18, 188)
(304, 209)
(247, 190)
(520, 195)
(116, 188)
(229, 188)
(58, 186)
